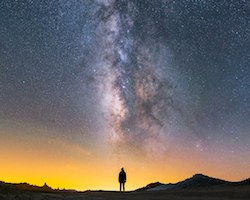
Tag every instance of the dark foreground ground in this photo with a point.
(240, 192)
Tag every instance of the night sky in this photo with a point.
(159, 87)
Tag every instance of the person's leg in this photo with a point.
(123, 187)
(120, 187)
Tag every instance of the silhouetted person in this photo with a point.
(122, 179)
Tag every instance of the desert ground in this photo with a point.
(237, 193)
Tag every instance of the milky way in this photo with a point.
(148, 75)
(152, 80)
(138, 88)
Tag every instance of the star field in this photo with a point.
(137, 78)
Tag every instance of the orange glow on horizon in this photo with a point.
(62, 164)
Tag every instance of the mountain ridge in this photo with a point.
(19, 187)
(197, 181)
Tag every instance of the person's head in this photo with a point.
(122, 169)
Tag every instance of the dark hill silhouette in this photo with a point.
(26, 186)
(19, 187)
(200, 180)
(244, 182)
(149, 186)
(197, 181)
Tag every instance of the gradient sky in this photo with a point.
(161, 88)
